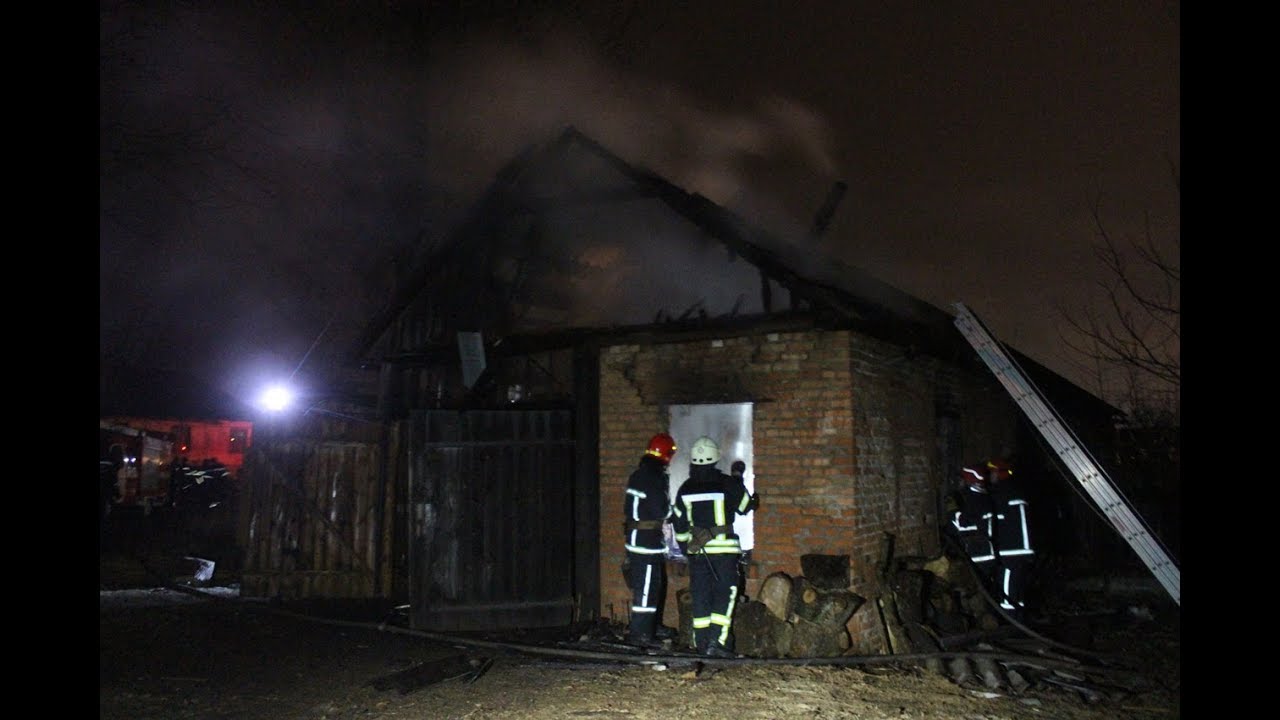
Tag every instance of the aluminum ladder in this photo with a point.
(1077, 459)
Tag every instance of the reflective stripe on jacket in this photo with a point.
(710, 499)
(646, 500)
(1013, 536)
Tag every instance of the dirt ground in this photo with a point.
(186, 652)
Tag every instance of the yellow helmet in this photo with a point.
(1000, 467)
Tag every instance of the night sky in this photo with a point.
(263, 171)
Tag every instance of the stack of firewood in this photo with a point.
(795, 617)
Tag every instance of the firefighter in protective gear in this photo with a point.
(974, 522)
(992, 525)
(704, 511)
(108, 489)
(738, 471)
(645, 509)
(1010, 537)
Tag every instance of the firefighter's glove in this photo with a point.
(700, 538)
(753, 503)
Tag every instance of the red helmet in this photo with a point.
(1000, 468)
(661, 446)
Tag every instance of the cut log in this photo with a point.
(826, 607)
(775, 593)
(809, 639)
(803, 595)
(758, 633)
(942, 568)
(828, 572)
(684, 603)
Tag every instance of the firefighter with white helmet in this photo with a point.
(704, 511)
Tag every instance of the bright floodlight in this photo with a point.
(276, 398)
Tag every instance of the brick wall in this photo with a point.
(845, 447)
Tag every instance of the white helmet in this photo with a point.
(705, 451)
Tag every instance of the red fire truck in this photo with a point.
(145, 458)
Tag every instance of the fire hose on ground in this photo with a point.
(646, 658)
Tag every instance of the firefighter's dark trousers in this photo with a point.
(987, 568)
(1011, 579)
(647, 576)
(713, 585)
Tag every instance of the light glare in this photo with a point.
(276, 398)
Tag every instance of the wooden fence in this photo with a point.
(315, 520)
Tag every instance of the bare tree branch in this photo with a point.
(1135, 327)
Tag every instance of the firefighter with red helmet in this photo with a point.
(974, 521)
(646, 508)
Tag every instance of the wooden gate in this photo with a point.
(491, 527)
(313, 520)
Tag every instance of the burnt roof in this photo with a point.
(573, 172)
(829, 288)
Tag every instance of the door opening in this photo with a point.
(729, 424)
